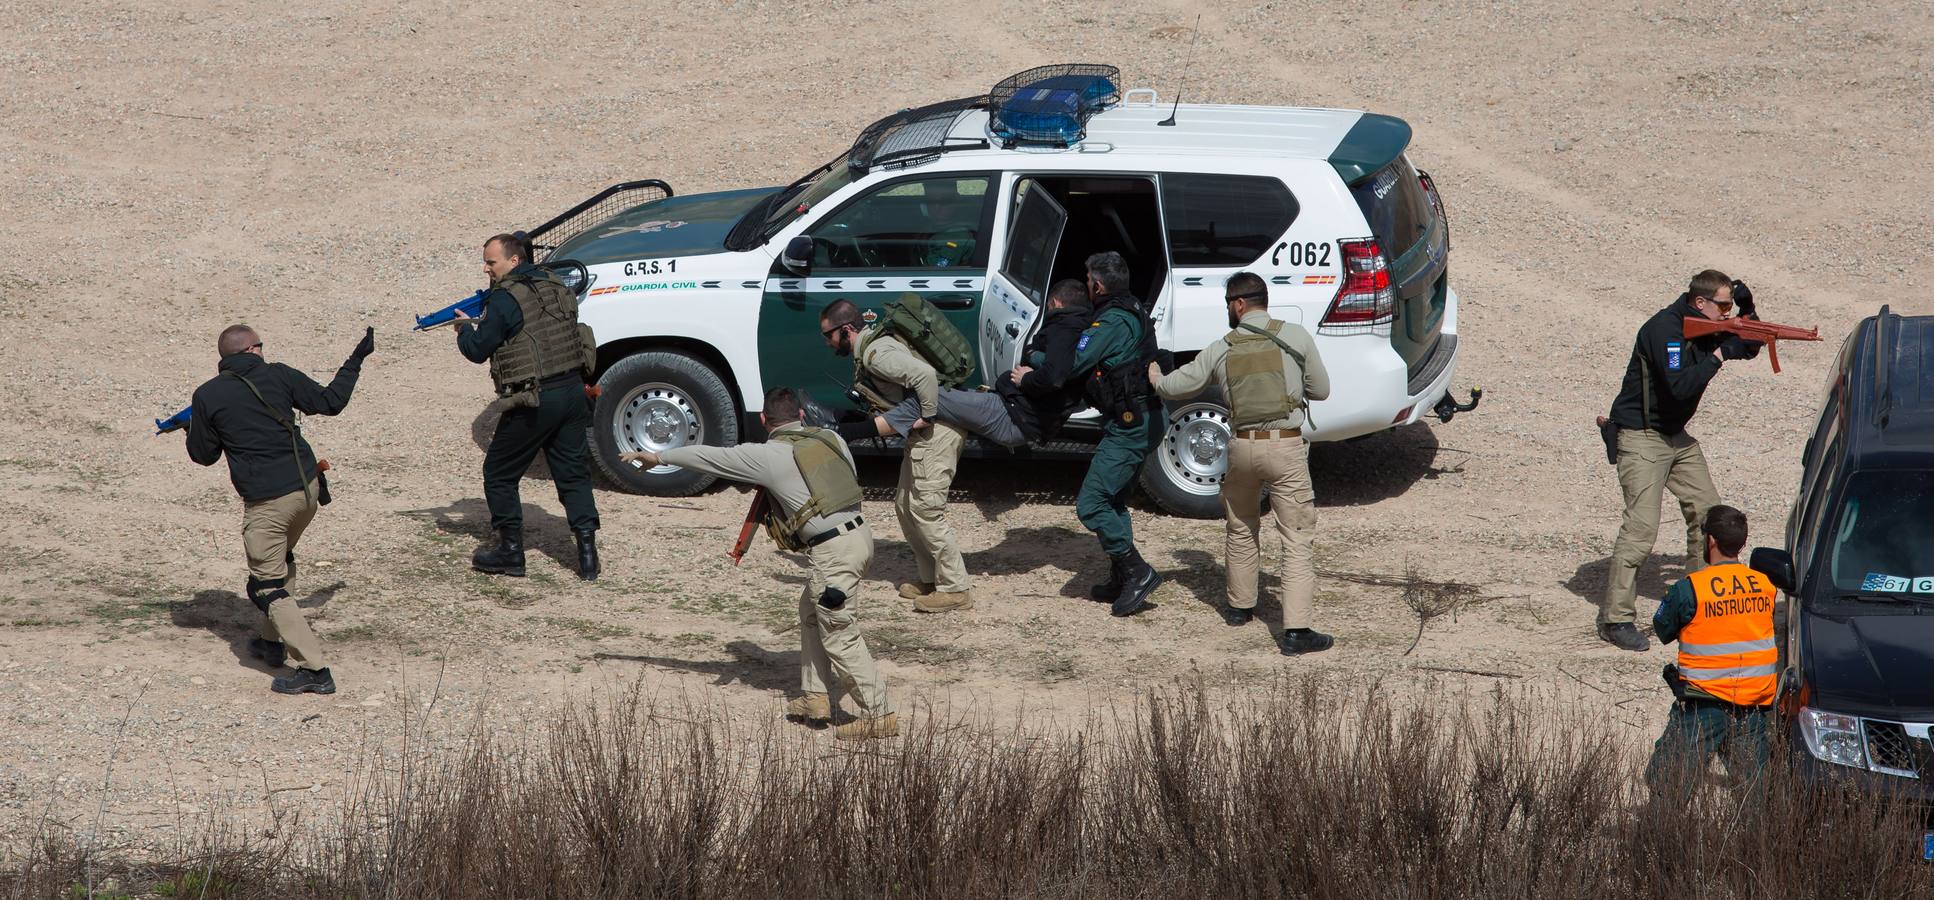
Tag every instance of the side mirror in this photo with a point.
(798, 255)
(1776, 565)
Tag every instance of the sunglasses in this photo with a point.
(255, 346)
(1231, 298)
(828, 333)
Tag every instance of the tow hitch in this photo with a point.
(1447, 406)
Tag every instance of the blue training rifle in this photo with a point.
(176, 422)
(471, 306)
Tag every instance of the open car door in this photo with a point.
(1017, 290)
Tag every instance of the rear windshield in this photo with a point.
(1396, 205)
(1883, 542)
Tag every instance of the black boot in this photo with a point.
(1108, 590)
(275, 653)
(588, 555)
(1298, 641)
(1139, 581)
(305, 681)
(507, 558)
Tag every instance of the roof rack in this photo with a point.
(913, 136)
(1051, 105)
(1883, 366)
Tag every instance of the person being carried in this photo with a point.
(813, 508)
(1013, 414)
(248, 412)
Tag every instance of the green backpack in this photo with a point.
(922, 326)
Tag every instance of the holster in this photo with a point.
(1675, 681)
(322, 488)
(1608, 432)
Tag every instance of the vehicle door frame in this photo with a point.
(1031, 311)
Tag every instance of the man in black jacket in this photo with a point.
(1664, 380)
(528, 334)
(1016, 412)
(248, 412)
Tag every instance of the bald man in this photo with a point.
(247, 411)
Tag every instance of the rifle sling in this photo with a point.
(295, 449)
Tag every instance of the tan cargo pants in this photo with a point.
(1279, 466)
(926, 474)
(831, 649)
(270, 529)
(1650, 463)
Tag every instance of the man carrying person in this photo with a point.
(1268, 370)
(814, 508)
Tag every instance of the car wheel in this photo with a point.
(656, 401)
(1184, 472)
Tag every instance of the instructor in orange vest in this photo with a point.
(1728, 668)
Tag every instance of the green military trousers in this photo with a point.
(1695, 732)
(1102, 503)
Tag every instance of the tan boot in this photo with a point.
(866, 729)
(914, 590)
(810, 707)
(944, 601)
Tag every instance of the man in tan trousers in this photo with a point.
(809, 473)
(1268, 370)
(248, 412)
(886, 371)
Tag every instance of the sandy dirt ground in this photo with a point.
(314, 168)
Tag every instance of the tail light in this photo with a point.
(1436, 203)
(1365, 297)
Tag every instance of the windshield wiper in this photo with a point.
(1889, 598)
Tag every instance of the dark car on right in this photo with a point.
(1857, 677)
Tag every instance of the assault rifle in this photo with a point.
(753, 517)
(176, 422)
(471, 306)
(1752, 330)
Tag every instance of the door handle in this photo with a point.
(1013, 329)
(952, 302)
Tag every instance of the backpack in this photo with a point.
(922, 327)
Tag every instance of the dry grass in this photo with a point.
(1313, 789)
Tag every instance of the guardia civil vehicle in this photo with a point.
(701, 302)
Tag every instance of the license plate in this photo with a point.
(1927, 846)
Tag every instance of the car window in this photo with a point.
(1883, 538)
(923, 224)
(1394, 203)
(1224, 220)
(1815, 510)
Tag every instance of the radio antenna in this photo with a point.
(1187, 64)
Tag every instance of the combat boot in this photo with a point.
(866, 729)
(1139, 581)
(810, 707)
(274, 653)
(507, 558)
(944, 601)
(1624, 636)
(914, 590)
(1298, 641)
(1107, 591)
(587, 554)
(305, 681)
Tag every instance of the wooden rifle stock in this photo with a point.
(1752, 330)
(753, 517)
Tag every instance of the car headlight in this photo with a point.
(1833, 737)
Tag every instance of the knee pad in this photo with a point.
(832, 598)
(266, 595)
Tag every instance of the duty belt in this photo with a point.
(1270, 434)
(835, 531)
(561, 379)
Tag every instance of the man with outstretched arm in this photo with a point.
(813, 508)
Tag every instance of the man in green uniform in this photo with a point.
(529, 334)
(1268, 370)
(808, 473)
(1112, 356)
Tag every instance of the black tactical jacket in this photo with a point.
(1667, 373)
(229, 419)
(1041, 405)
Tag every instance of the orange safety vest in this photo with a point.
(1727, 650)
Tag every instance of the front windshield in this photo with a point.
(807, 193)
(1883, 539)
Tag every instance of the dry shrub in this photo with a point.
(1310, 788)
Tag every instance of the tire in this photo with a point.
(658, 400)
(1184, 472)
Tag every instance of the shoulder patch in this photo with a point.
(1083, 343)
(1674, 356)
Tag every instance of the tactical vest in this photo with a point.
(551, 341)
(1727, 650)
(1257, 389)
(863, 383)
(831, 484)
(1122, 393)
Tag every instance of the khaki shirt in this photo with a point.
(897, 371)
(768, 465)
(1207, 368)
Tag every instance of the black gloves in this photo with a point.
(1743, 300)
(366, 346)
